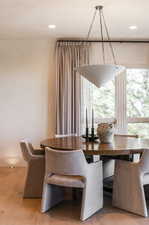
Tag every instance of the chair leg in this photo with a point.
(92, 199)
(51, 196)
(128, 191)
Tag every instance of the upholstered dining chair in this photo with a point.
(129, 181)
(35, 170)
(109, 164)
(128, 135)
(88, 158)
(70, 169)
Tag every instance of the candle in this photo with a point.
(92, 118)
(86, 119)
(92, 130)
(86, 126)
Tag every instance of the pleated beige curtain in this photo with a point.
(121, 104)
(68, 100)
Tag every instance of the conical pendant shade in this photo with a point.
(100, 74)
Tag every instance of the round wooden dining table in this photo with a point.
(121, 145)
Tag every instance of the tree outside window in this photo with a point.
(137, 94)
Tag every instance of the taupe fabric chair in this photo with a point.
(70, 169)
(35, 170)
(128, 135)
(129, 181)
(109, 164)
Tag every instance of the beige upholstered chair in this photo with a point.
(129, 181)
(35, 170)
(128, 135)
(70, 169)
(108, 164)
(134, 157)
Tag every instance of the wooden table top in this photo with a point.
(120, 145)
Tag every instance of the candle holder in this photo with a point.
(90, 137)
(87, 134)
(92, 133)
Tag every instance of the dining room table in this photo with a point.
(120, 146)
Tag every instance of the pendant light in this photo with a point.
(101, 73)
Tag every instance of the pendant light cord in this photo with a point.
(102, 22)
(108, 36)
(91, 25)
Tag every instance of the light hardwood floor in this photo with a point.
(16, 211)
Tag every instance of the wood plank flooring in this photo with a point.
(16, 211)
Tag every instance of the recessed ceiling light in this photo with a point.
(133, 27)
(52, 26)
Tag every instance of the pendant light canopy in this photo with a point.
(101, 73)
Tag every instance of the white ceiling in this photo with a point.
(30, 18)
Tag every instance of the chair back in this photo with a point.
(64, 135)
(65, 162)
(26, 150)
(144, 161)
(128, 135)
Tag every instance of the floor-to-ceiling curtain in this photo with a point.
(69, 55)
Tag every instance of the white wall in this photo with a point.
(135, 55)
(27, 94)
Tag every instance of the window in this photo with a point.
(137, 93)
(104, 101)
(138, 101)
(130, 92)
(142, 129)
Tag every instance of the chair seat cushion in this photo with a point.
(146, 178)
(66, 180)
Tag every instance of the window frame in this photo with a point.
(136, 119)
(121, 120)
(121, 106)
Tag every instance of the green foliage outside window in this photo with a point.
(104, 101)
(137, 93)
(137, 100)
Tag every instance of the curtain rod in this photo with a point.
(113, 41)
